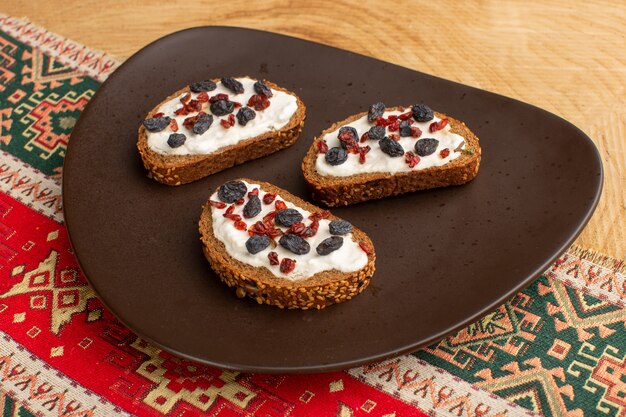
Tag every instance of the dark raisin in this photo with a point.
(156, 124)
(222, 107)
(391, 147)
(405, 129)
(376, 111)
(261, 88)
(339, 227)
(336, 156)
(422, 113)
(202, 124)
(232, 84)
(176, 139)
(347, 134)
(252, 207)
(256, 243)
(329, 245)
(426, 146)
(287, 217)
(200, 86)
(244, 115)
(231, 191)
(295, 244)
(376, 132)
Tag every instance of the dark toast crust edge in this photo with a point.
(259, 283)
(182, 169)
(340, 191)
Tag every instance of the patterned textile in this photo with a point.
(558, 348)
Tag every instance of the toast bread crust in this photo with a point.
(259, 283)
(341, 191)
(182, 169)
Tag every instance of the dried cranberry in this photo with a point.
(231, 191)
(444, 153)
(228, 122)
(232, 84)
(287, 265)
(295, 244)
(273, 257)
(222, 107)
(217, 204)
(366, 248)
(394, 126)
(218, 97)
(416, 132)
(319, 215)
(322, 147)
(176, 139)
(185, 98)
(244, 115)
(339, 227)
(435, 126)
(298, 229)
(257, 228)
(376, 110)
(252, 207)
(174, 125)
(200, 86)
(365, 136)
(376, 132)
(329, 245)
(253, 192)
(240, 201)
(393, 136)
(259, 102)
(261, 88)
(391, 147)
(157, 115)
(203, 97)
(336, 156)
(287, 217)
(426, 146)
(362, 152)
(280, 205)
(411, 159)
(239, 225)
(156, 124)
(405, 116)
(422, 113)
(269, 197)
(257, 243)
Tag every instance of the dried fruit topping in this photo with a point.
(391, 147)
(405, 116)
(295, 244)
(366, 248)
(298, 229)
(185, 98)
(287, 265)
(217, 204)
(376, 132)
(393, 136)
(240, 201)
(347, 133)
(257, 243)
(252, 207)
(336, 156)
(287, 217)
(435, 126)
(261, 88)
(253, 192)
(231, 191)
(176, 139)
(218, 97)
(319, 215)
(329, 245)
(202, 124)
(280, 205)
(156, 124)
(339, 227)
(259, 102)
(239, 225)
(228, 122)
(426, 146)
(269, 197)
(365, 136)
(363, 150)
(222, 107)
(411, 159)
(416, 132)
(322, 147)
(200, 86)
(203, 97)
(229, 210)
(422, 113)
(273, 257)
(444, 153)
(244, 115)
(376, 110)
(174, 125)
(394, 126)
(232, 84)
(157, 115)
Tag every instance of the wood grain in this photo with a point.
(562, 55)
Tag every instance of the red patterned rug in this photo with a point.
(558, 348)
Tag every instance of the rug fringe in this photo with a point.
(617, 265)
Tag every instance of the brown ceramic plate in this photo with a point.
(445, 257)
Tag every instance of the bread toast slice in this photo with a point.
(335, 190)
(177, 169)
(314, 282)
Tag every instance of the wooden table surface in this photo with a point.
(566, 56)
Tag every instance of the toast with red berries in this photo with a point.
(277, 249)
(389, 151)
(212, 125)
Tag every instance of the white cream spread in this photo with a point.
(350, 257)
(378, 161)
(282, 107)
